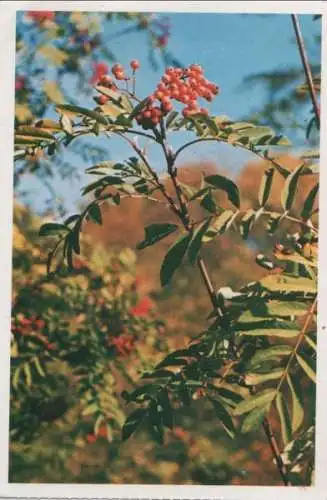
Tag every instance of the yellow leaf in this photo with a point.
(53, 92)
(23, 113)
(56, 56)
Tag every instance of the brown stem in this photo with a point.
(306, 66)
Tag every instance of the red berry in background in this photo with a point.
(99, 70)
(19, 82)
(119, 75)
(41, 16)
(162, 40)
(134, 64)
(142, 308)
(39, 324)
(102, 432)
(91, 438)
(106, 81)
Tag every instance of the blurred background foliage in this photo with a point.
(78, 341)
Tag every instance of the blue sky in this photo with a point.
(229, 47)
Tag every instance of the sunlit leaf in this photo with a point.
(254, 419)
(297, 405)
(256, 401)
(308, 365)
(284, 416)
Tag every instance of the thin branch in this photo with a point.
(306, 66)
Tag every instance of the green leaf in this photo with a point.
(133, 422)
(28, 374)
(308, 365)
(310, 342)
(66, 124)
(139, 108)
(167, 410)
(270, 332)
(196, 242)
(223, 416)
(271, 353)
(247, 222)
(90, 409)
(309, 202)
(39, 367)
(265, 186)
(290, 187)
(108, 180)
(174, 257)
(254, 419)
(208, 202)
(297, 408)
(34, 132)
(78, 110)
(285, 419)
(219, 225)
(284, 308)
(156, 232)
(171, 118)
(282, 283)
(256, 401)
(227, 185)
(52, 228)
(94, 213)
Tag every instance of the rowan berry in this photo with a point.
(134, 64)
(101, 99)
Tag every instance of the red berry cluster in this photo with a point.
(124, 344)
(183, 85)
(24, 326)
(107, 81)
(41, 16)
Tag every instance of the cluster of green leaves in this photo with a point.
(63, 362)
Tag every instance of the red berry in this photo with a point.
(101, 99)
(120, 75)
(117, 67)
(135, 64)
(106, 81)
(167, 106)
(91, 438)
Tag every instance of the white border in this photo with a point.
(7, 40)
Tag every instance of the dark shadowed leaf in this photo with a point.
(309, 202)
(224, 417)
(265, 186)
(94, 213)
(174, 258)
(290, 188)
(227, 185)
(133, 422)
(156, 232)
(52, 229)
(196, 242)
